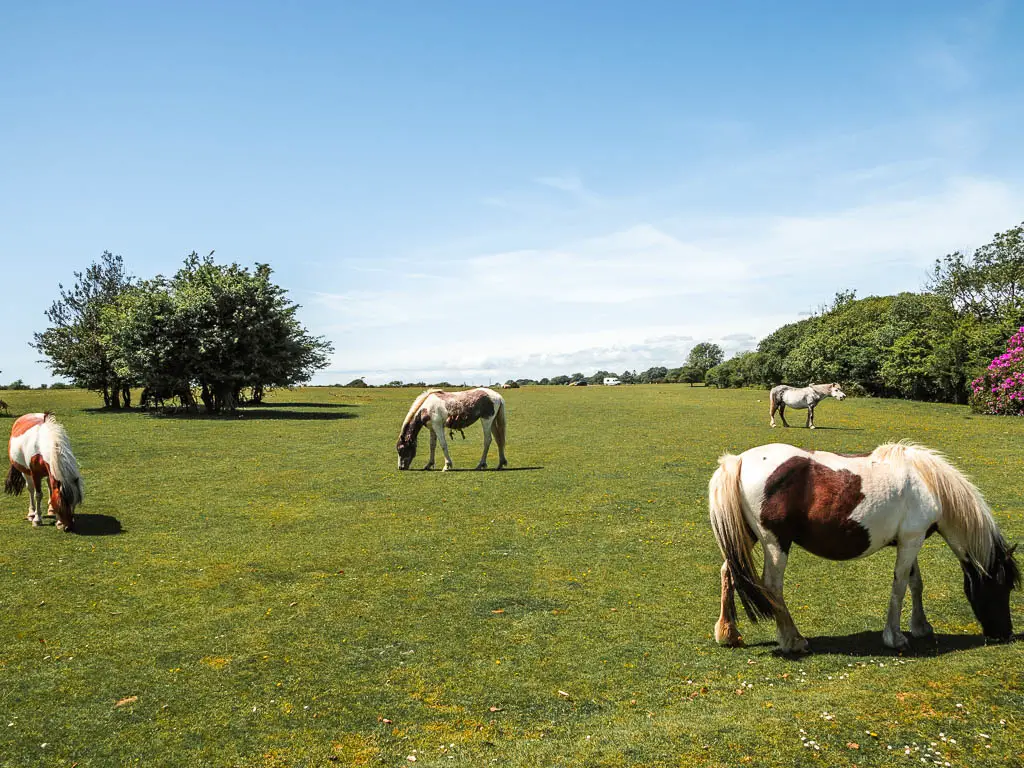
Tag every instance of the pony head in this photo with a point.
(989, 591)
(406, 446)
(65, 495)
(836, 391)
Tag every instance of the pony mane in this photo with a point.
(62, 460)
(962, 506)
(417, 403)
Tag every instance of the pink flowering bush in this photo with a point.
(1001, 390)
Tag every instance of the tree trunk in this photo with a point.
(257, 394)
(126, 395)
(207, 397)
(106, 397)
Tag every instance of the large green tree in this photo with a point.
(74, 344)
(705, 356)
(242, 332)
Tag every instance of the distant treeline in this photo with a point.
(922, 346)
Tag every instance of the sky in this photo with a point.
(470, 191)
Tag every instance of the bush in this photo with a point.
(1000, 391)
(854, 389)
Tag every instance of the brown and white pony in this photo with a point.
(39, 447)
(843, 507)
(441, 410)
(801, 398)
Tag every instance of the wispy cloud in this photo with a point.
(572, 185)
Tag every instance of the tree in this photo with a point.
(74, 343)
(246, 334)
(705, 356)
(654, 375)
(988, 284)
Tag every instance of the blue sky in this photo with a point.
(473, 191)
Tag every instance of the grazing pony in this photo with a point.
(39, 448)
(800, 398)
(842, 507)
(440, 410)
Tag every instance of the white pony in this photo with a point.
(843, 507)
(440, 410)
(801, 398)
(39, 447)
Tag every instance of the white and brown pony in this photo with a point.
(801, 398)
(440, 410)
(843, 507)
(39, 447)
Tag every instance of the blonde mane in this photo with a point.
(416, 405)
(961, 505)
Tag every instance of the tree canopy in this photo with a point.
(221, 329)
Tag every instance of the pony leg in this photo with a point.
(35, 497)
(810, 417)
(444, 447)
(906, 556)
(487, 444)
(433, 447)
(771, 414)
(782, 414)
(726, 632)
(789, 638)
(49, 503)
(919, 626)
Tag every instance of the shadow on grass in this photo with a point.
(97, 525)
(262, 413)
(301, 405)
(489, 469)
(837, 429)
(869, 643)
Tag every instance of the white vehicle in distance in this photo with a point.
(611, 381)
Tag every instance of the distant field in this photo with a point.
(278, 594)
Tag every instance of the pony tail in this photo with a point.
(735, 539)
(15, 482)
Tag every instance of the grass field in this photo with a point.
(271, 591)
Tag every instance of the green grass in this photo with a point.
(280, 595)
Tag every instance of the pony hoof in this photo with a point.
(925, 631)
(797, 645)
(811, 427)
(35, 523)
(897, 641)
(481, 466)
(728, 636)
(428, 467)
(446, 467)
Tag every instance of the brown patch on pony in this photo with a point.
(24, 423)
(465, 408)
(807, 503)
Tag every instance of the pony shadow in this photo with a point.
(97, 525)
(490, 469)
(869, 643)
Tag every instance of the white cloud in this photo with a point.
(642, 295)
